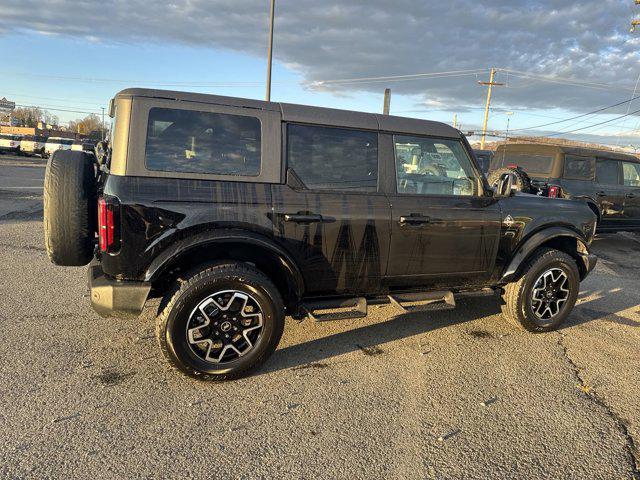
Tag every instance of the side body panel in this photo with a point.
(345, 252)
(156, 212)
(525, 215)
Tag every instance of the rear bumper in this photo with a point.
(110, 297)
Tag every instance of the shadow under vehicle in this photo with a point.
(237, 212)
(608, 182)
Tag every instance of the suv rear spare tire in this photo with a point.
(70, 208)
(521, 181)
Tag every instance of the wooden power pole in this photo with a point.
(386, 107)
(489, 84)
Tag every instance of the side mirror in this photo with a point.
(505, 185)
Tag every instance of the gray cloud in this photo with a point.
(587, 40)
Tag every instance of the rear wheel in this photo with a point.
(221, 322)
(546, 292)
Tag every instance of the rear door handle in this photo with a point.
(630, 195)
(302, 217)
(601, 194)
(414, 219)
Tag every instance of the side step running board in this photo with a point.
(423, 301)
(357, 308)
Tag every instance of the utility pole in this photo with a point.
(455, 120)
(270, 51)
(102, 125)
(386, 107)
(489, 84)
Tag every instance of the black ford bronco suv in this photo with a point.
(238, 212)
(607, 181)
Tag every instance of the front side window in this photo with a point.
(607, 172)
(189, 141)
(431, 166)
(631, 174)
(327, 158)
(578, 168)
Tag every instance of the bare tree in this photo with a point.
(87, 125)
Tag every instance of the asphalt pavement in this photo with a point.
(452, 394)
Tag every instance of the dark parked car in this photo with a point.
(609, 182)
(236, 212)
(484, 158)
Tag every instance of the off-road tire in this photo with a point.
(178, 304)
(522, 181)
(516, 299)
(70, 208)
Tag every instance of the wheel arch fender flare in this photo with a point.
(172, 254)
(538, 239)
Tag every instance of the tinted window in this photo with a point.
(530, 163)
(333, 158)
(430, 166)
(578, 168)
(202, 142)
(607, 171)
(631, 174)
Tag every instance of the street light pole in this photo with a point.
(270, 52)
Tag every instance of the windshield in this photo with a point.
(532, 164)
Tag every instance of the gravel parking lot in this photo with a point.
(450, 394)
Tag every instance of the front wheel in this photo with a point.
(546, 292)
(221, 322)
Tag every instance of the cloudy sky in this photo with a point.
(558, 59)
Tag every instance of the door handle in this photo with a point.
(601, 194)
(414, 219)
(630, 195)
(302, 217)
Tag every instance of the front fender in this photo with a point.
(219, 237)
(539, 238)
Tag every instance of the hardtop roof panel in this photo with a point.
(415, 126)
(572, 150)
(328, 116)
(198, 98)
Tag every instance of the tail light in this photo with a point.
(108, 225)
(553, 192)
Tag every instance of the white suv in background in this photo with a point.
(56, 143)
(33, 145)
(10, 143)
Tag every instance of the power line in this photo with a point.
(414, 76)
(565, 80)
(595, 124)
(579, 116)
(55, 109)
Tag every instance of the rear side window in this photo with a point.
(607, 172)
(578, 168)
(189, 141)
(328, 158)
(631, 174)
(531, 163)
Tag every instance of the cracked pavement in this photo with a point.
(446, 394)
